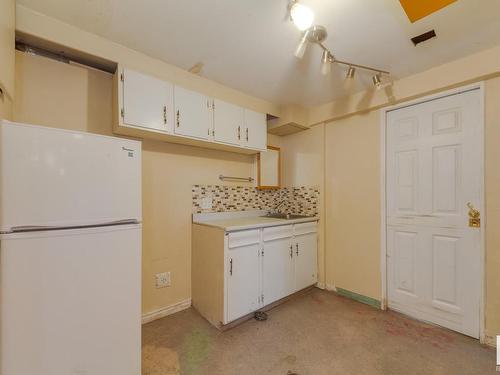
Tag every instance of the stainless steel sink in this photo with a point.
(284, 216)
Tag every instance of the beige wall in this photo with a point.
(352, 170)
(67, 96)
(7, 23)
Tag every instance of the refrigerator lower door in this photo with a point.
(71, 302)
(59, 178)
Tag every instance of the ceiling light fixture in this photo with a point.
(350, 73)
(301, 15)
(377, 80)
(326, 61)
(303, 18)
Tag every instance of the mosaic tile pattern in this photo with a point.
(301, 200)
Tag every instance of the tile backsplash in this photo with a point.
(301, 200)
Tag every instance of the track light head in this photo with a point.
(350, 73)
(301, 48)
(377, 80)
(326, 60)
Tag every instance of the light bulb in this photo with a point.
(302, 16)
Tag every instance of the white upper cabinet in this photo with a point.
(148, 102)
(255, 130)
(229, 122)
(148, 107)
(193, 114)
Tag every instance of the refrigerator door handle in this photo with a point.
(39, 228)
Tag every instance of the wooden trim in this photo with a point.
(259, 187)
(165, 311)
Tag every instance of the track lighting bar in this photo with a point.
(350, 64)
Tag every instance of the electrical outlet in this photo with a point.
(162, 279)
(206, 203)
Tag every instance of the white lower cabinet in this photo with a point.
(242, 281)
(237, 273)
(277, 263)
(306, 260)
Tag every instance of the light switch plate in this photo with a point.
(162, 279)
(206, 203)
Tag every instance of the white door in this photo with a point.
(54, 177)
(148, 102)
(255, 136)
(228, 122)
(277, 269)
(71, 302)
(305, 251)
(193, 114)
(434, 152)
(242, 281)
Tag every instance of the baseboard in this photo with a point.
(489, 340)
(165, 311)
(360, 298)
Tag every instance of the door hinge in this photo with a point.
(122, 78)
(262, 251)
(122, 113)
(213, 132)
(262, 298)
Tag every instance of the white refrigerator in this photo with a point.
(70, 252)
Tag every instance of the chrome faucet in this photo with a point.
(279, 205)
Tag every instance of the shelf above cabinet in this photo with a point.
(150, 108)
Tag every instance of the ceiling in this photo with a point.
(249, 45)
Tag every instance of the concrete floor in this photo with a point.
(314, 334)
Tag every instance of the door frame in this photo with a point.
(481, 204)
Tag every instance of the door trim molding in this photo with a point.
(383, 186)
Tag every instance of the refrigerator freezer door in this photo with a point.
(71, 302)
(59, 178)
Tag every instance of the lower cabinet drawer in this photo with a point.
(243, 238)
(304, 228)
(275, 233)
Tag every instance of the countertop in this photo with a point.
(243, 220)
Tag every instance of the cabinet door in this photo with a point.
(242, 281)
(193, 114)
(306, 260)
(228, 123)
(256, 130)
(277, 270)
(147, 101)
